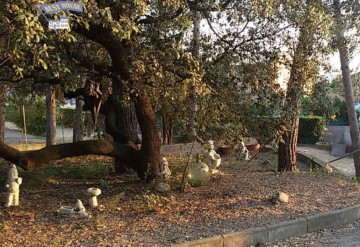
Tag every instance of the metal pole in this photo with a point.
(24, 121)
(346, 155)
(62, 127)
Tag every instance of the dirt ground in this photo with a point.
(131, 214)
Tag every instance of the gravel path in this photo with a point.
(344, 236)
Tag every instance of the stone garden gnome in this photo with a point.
(164, 170)
(212, 159)
(12, 184)
(244, 150)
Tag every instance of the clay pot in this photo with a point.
(253, 147)
(224, 150)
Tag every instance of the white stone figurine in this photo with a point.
(164, 170)
(77, 212)
(12, 184)
(212, 159)
(244, 150)
(93, 192)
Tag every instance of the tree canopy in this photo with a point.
(145, 49)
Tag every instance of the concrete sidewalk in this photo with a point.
(345, 166)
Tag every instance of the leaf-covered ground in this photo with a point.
(131, 214)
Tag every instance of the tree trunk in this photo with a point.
(78, 127)
(287, 147)
(193, 93)
(302, 72)
(127, 122)
(125, 119)
(349, 98)
(120, 54)
(50, 115)
(150, 147)
(3, 97)
(168, 130)
(167, 127)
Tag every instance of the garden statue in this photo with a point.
(12, 184)
(77, 212)
(198, 172)
(212, 158)
(93, 192)
(244, 152)
(164, 170)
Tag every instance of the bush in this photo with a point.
(311, 129)
(36, 118)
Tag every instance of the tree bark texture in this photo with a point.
(151, 143)
(193, 93)
(346, 76)
(168, 129)
(127, 122)
(78, 127)
(50, 115)
(287, 147)
(3, 97)
(123, 118)
(31, 159)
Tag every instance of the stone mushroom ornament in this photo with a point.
(13, 183)
(93, 192)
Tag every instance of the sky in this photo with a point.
(354, 63)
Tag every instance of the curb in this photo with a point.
(304, 157)
(279, 231)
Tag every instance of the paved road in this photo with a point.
(344, 236)
(13, 135)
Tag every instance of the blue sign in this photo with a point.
(54, 8)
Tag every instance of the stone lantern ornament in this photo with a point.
(93, 192)
(13, 184)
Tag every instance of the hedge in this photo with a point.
(311, 129)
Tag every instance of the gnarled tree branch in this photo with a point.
(29, 160)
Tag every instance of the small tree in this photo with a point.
(312, 23)
(341, 44)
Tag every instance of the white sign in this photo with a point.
(63, 23)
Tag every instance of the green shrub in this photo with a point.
(36, 118)
(67, 116)
(311, 129)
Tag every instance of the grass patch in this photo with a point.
(93, 170)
